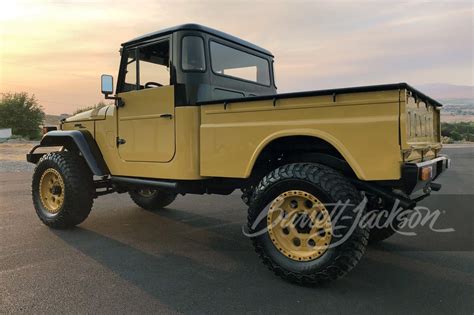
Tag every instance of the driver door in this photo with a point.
(146, 121)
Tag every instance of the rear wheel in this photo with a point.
(152, 199)
(296, 229)
(62, 190)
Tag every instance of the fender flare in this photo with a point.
(82, 140)
(352, 163)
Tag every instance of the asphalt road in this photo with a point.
(193, 258)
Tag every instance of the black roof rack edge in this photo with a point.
(196, 27)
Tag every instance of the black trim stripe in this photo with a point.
(358, 89)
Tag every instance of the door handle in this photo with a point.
(169, 116)
(120, 141)
(79, 126)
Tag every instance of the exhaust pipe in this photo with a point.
(405, 203)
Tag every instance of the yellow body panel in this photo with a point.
(84, 124)
(368, 129)
(185, 163)
(89, 115)
(149, 137)
(363, 127)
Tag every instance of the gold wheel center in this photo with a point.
(299, 225)
(52, 190)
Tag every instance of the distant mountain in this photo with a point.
(447, 91)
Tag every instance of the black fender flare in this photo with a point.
(81, 140)
(326, 159)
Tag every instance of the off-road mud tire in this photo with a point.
(327, 185)
(78, 189)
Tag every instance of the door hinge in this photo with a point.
(120, 141)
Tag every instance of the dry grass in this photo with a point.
(15, 151)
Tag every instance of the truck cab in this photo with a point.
(202, 64)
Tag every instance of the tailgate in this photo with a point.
(422, 126)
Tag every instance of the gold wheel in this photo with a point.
(299, 225)
(51, 190)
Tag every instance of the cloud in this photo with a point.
(58, 49)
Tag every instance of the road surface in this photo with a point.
(193, 258)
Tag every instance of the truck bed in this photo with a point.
(374, 139)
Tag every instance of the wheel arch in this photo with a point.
(79, 140)
(307, 146)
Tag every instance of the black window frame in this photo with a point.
(135, 48)
(272, 71)
(125, 65)
(244, 51)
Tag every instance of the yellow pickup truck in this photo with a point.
(196, 112)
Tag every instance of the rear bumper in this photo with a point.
(414, 176)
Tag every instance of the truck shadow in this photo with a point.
(166, 276)
(176, 255)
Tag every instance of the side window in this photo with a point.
(154, 63)
(153, 67)
(234, 63)
(192, 54)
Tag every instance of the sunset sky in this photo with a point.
(57, 50)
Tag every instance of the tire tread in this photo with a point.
(338, 188)
(79, 189)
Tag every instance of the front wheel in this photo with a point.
(304, 223)
(152, 199)
(62, 190)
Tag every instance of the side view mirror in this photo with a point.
(107, 88)
(107, 84)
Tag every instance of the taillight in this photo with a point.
(426, 173)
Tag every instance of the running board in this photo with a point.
(133, 181)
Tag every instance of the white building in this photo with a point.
(5, 133)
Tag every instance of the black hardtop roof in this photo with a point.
(200, 28)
